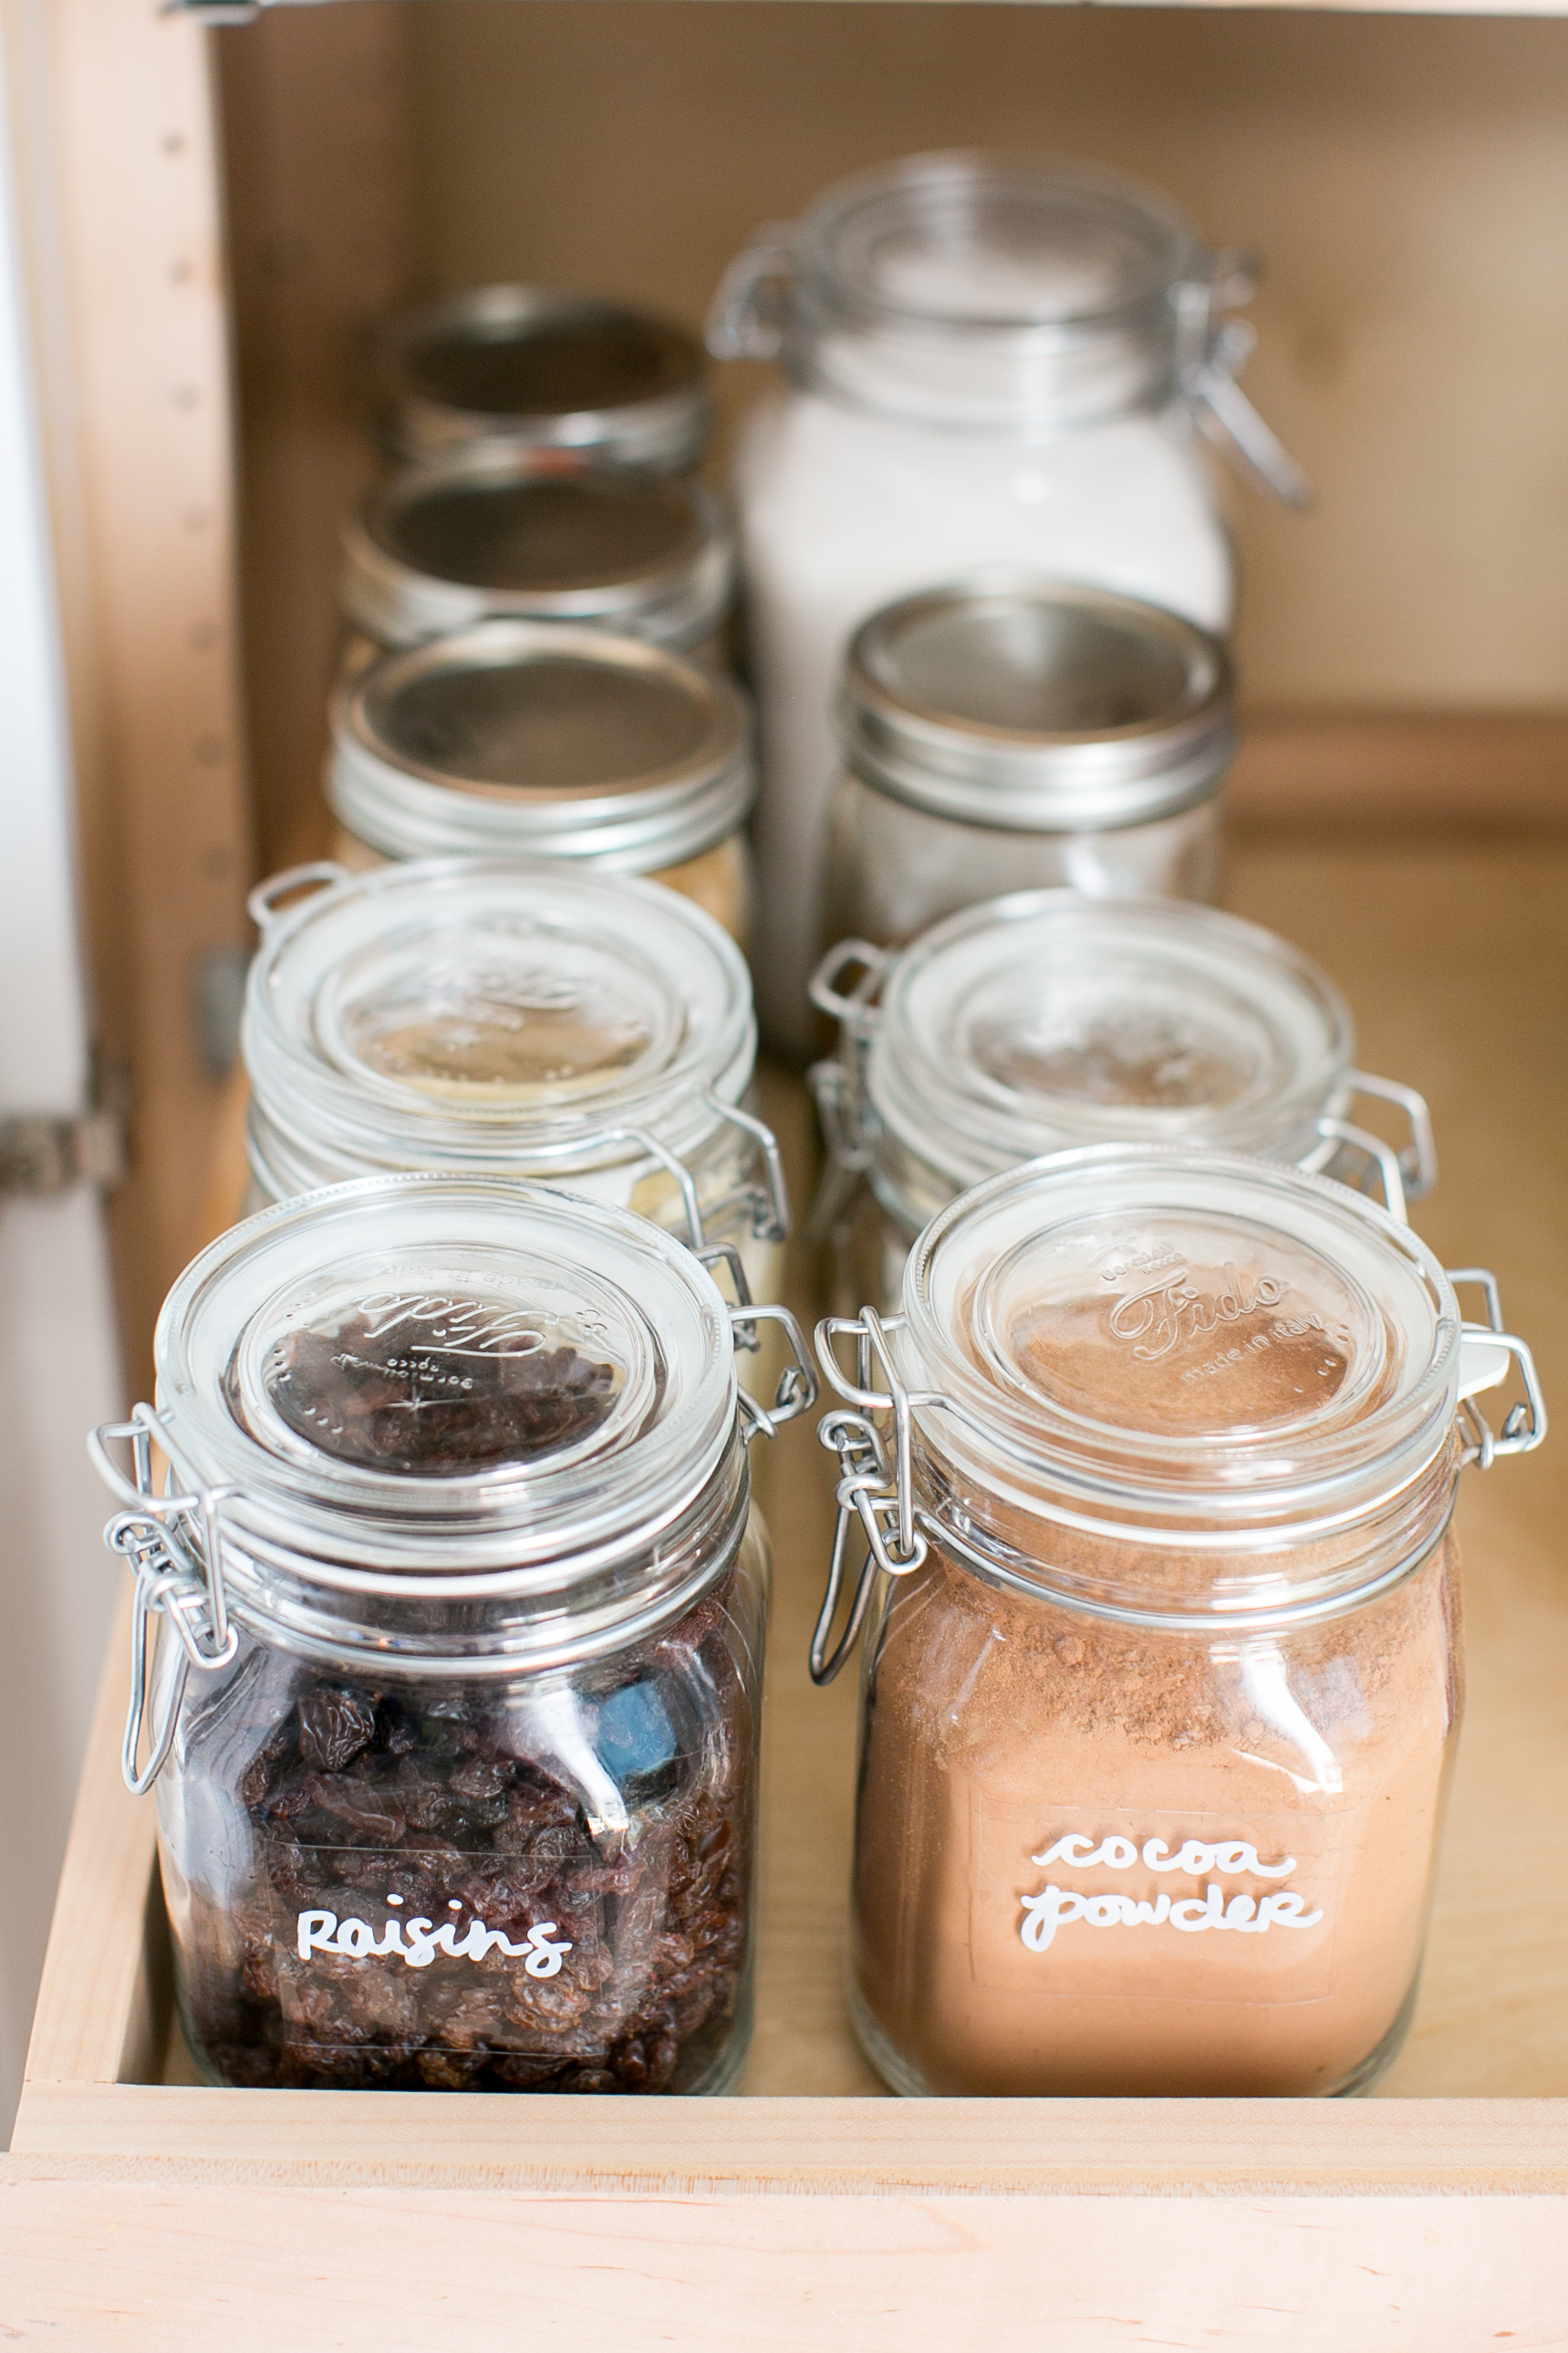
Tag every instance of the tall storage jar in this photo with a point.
(991, 361)
(519, 739)
(1046, 1019)
(476, 534)
(1163, 1673)
(454, 1600)
(515, 367)
(1003, 734)
(469, 1015)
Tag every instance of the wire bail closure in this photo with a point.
(877, 1496)
(1524, 1424)
(177, 1576)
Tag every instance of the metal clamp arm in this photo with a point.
(856, 1010)
(770, 1206)
(746, 318)
(264, 905)
(1487, 1351)
(1419, 1158)
(796, 1389)
(1383, 1157)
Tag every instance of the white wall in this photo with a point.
(59, 1368)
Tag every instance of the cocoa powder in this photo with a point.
(999, 1728)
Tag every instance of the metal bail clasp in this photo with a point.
(177, 1576)
(1489, 1348)
(880, 1501)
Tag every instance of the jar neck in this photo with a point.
(500, 1621)
(1187, 1576)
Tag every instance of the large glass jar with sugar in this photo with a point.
(528, 1020)
(454, 1602)
(476, 534)
(1156, 1476)
(530, 367)
(521, 739)
(990, 361)
(1047, 1019)
(1003, 734)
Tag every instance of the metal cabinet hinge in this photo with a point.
(41, 1156)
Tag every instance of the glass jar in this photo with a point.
(991, 362)
(521, 739)
(1045, 1020)
(1162, 1675)
(468, 1015)
(476, 534)
(1007, 734)
(525, 367)
(454, 1707)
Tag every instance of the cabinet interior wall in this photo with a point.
(1404, 178)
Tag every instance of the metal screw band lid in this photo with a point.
(523, 365)
(480, 532)
(1035, 705)
(523, 739)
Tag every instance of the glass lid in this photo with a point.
(457, 1007)
(975, 240)
(1210, 1331)
(1047, 1018)
(513, 1371)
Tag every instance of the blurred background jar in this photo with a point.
(1046, 1019)
(1153, 1482)
(528, 367)
(587, 1030)
(990, 361)
(455, 1728)
(481, 533)
(1004, 735)
(521, 739)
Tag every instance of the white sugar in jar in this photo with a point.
(990, 363)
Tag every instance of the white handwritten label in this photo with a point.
(1241, 1912)
(419, 1941)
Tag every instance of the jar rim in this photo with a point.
(961, 700)
(393, 780)
(666, 424)
(657, 559)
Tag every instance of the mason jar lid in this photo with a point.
(1033, 705)
(522, 738)
(421, 1384)
(995, 285)
(473, 533)
(1232, 1350)
(522, 365)
(1046, 1019)
(468, 1014)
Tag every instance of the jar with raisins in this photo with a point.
(447, 1644)
(590, 1030)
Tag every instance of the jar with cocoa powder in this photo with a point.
(516, 535)
(447, 1644)
(1047, 1019)
(524, 1019)
(1154, 1478)
(525, 739)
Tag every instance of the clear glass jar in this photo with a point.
(476, 534)
(526, 367)
(454, 1705)
(468, 1015)
(1045, 1020)
(1004, 735)
(991, 361)
(1162, 1675)
(521, 739)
